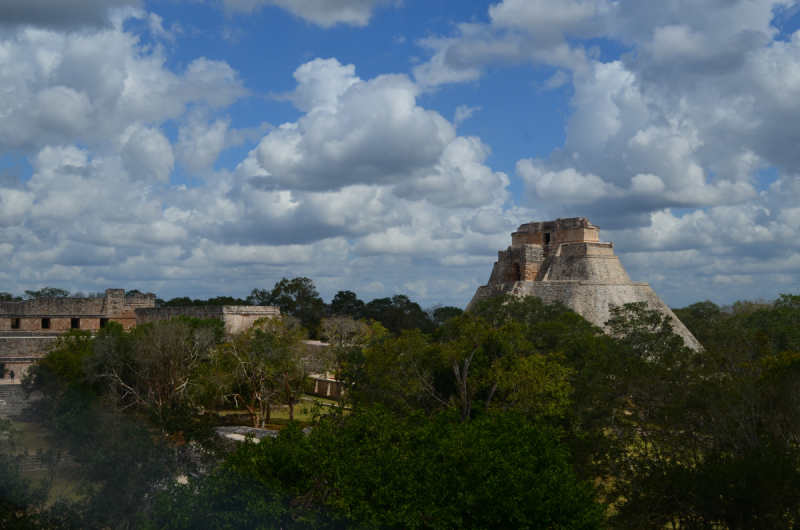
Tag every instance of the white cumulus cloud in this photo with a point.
(325, 13)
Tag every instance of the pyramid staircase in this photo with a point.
(13, 401)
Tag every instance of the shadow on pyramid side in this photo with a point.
(564, 260)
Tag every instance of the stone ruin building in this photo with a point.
(236, 318)
(28, 327)
(564, 260)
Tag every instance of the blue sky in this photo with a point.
(202, 148)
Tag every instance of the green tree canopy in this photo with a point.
(439, 314)
(271, 365)
(373, 470)
(347, 303)
(56, 292)
(398, 314)
(297, 297)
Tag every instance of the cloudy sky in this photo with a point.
(206, 147)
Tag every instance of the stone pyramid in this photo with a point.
(564, 260)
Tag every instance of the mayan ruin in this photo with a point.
(564, 260)
(235, 318)
(28, 327)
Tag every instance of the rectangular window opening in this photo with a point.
(45, 323)
(14, 323)
(103, 322)
(75, 323)
(547, 239)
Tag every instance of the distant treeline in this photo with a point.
(516, 414)
(298, 297)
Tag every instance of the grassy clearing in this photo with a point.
(320, 400)
(279, 417)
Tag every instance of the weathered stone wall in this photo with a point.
(54, 306)
(154, 314)
(25, 345)
(236, 318)
(114, 303)
(587, 249)
(14, 403)
(18, 350)
(594, 268)
(240, 318)
(324, 387)
(26, 327)
(46, 324)
(516, 263)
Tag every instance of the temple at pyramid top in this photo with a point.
(573, 230)
(564, 260)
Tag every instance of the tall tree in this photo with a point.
(646, 331)
(153, 367)
(257, 377)
(346, 337)
(8, 297)
(347, 303)
(56, 292)
(401, 373)
(272, 364)
(439, 314)
(297, 297)
(464, 340)
(529, 310)
(259, 296)
(398, 314)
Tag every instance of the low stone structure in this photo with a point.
(564, 260)
(324, 385)
(236, 318)
(27, 327)
(14, 402)
(240, 433)
(52, 313)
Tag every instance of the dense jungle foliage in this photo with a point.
(517, 414)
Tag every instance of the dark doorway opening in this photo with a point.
(75, 323)
(547, 239)
(103, 322)
(14, 323)
(514, 272)
(45, 323)
(2, 371)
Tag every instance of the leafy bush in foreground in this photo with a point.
(371, 470)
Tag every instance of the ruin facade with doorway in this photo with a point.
(564, 260)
